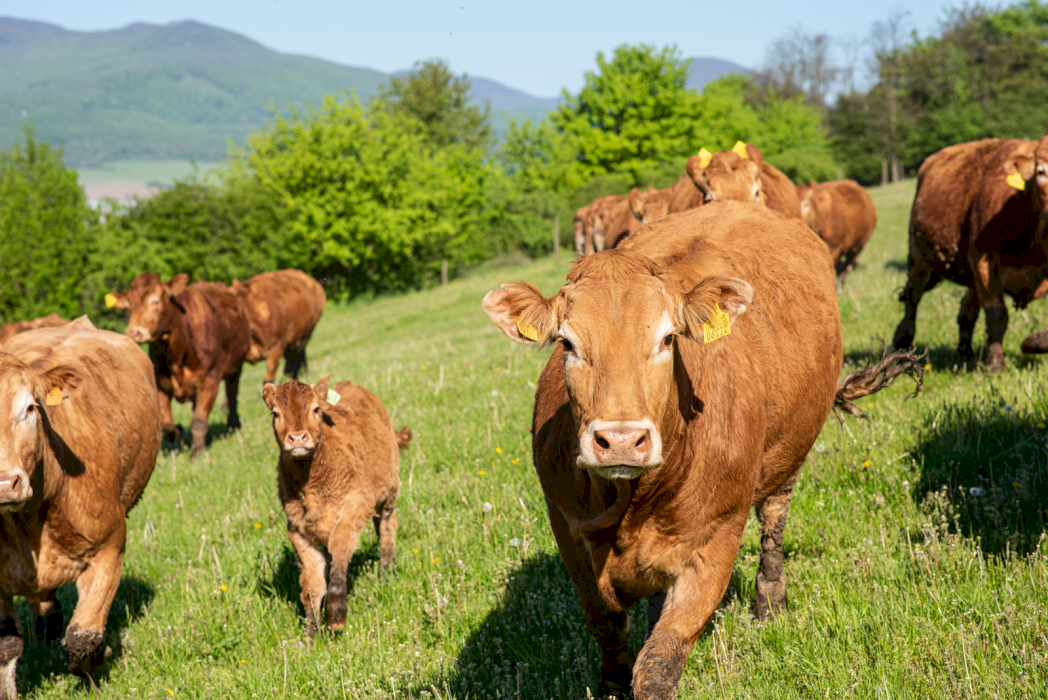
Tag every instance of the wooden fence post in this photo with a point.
(443, 273)
(556, 239)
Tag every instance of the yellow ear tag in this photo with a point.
(739, 149)
(110, 301)
(1016, 181)
(54, 397)
(333, 397)
(527, 330)
(705, 157)
(718, 326)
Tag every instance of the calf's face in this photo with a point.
(297, 415)
(729, 176)
(152, 304)
(25, 391)
(617, 322)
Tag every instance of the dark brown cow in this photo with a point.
(694, 368)
(339, 468)
(843, 215)
(730, 175)
(284, 307)
(76, 450)
(198, 336)
(971, 226)
(9, 330)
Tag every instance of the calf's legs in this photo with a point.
(341, 545)
(312, 565)
(386, 529)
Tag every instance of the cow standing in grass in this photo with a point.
(78, 443)
(843, 215)
(339, 468)
(693, 369)
(978, 219)
(198, 336)
(283, 307)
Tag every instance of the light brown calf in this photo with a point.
(843, 215)
(654, 204)
(694, 367)
(613, 221)
(78, 442)
(730, 176)
(9, 330)
(339, 467)
(283, 307)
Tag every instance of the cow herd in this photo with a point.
(696, 357)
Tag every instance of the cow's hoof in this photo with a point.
(615, 683)
(172, 433)
(995, 359)
(233, 423)
(84, 650)
(903, 337)
(1036, 343)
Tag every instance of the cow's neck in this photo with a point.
(176, 342)
(296, 470)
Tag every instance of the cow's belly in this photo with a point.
(24, 571)
(182, 384)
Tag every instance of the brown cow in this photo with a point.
(654, 204)
(684, 195)
(843, 215)
(730, 176)
(970, 226)
(9, 330)
(284, 307)
(198, 336)
(613, 221)
(77, 448)
(694, 368)
(339, 467)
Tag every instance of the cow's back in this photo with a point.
(779, 192)
(218, 326)
(845, 216)
(110, 422)
(283, 306)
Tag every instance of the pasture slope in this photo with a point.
(914, 548)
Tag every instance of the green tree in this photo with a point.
(46, 233)
(440, 101)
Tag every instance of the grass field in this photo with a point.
(160, 172)
(914, 549)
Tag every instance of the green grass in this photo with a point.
(903, 583)
(162, 172)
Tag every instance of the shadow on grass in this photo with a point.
(940, 357)
(897, 265)
(278, 579)
(42, 659)
(535, 642)
(185, 440)
(984, 467)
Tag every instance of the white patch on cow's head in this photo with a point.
(661, 351)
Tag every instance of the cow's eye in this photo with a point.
(316, 410)
(276, 413)
(568, 347)
(30, 409)
(668, 340)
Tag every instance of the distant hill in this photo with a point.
(176, 91)
(706, 70)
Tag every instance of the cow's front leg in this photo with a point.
(987, 285)
(273, 362)
(205, 401)
(171, 432)
(232, 389)
(689, 602)
(96, 588)
(10, 647)
(341, 545)
(312, 566)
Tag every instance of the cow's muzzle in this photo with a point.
(139, 334)
(14, 489)
(300, 444)
(620, 449)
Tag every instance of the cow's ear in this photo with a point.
(754, 154)
(694, 169)
(523, 314)
(636, 202)
(320, 390)
(177, 284)
(56, 383)
(729, 294)
(269, 394)
(1023, 164)
(116, 300)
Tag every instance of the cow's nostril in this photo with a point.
(602, 442)
(643, 439)
(16, 483)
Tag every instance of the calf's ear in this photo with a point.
(177, 284)
(320, 390)
(694, 169)
(269, 394)
(523, 314)
(56, 383)
(636, 201)
(730, 294)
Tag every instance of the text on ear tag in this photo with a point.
(717, 327)
(527, 330)
(110, 301)
(54, 397)
(1016, 181)
(705, 157)
(333, 397)
(739, 149)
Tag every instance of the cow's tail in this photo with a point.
(874, 377)
(403, 437)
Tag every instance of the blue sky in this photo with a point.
(538, 46)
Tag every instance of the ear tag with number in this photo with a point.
(333, 397)
(110, 301)
(705, 157)
(527, 330)
(739, 149)
(1016, 181)
(54, 397)
(718, 326)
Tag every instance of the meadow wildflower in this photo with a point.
(977, 491)
(866, 463)
(482, 472)
(486, 507)
(498, 450)
(223, 588)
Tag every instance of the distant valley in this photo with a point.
(186, 90)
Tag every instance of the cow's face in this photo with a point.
(804, 194)
(152, 305)
(298, 413)
(578, 227)
(649, 206)
(1040, 172)
(617, 322)
(25, 391)
(728, 176)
